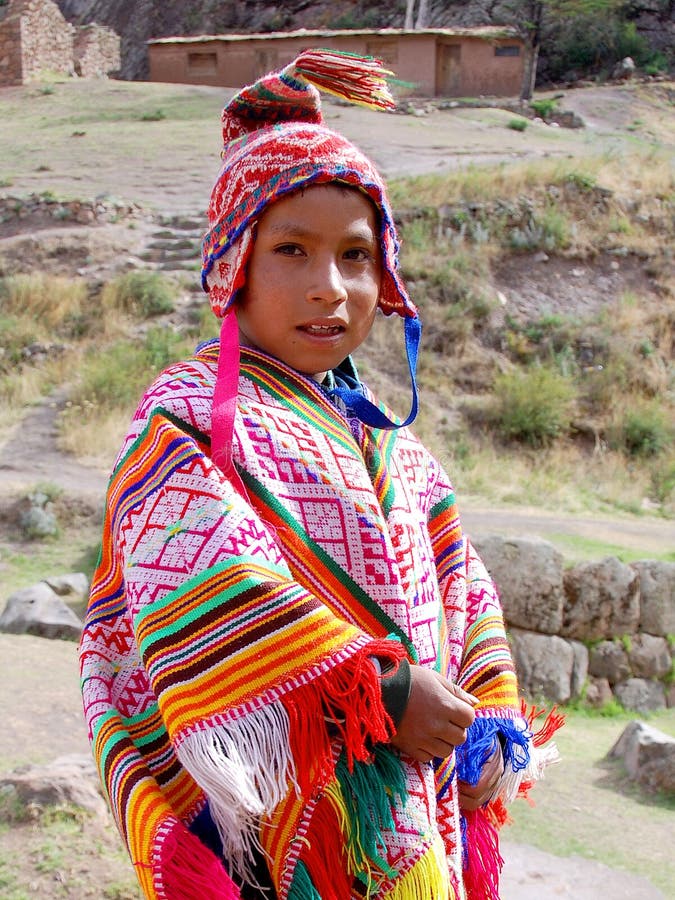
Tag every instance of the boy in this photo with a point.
(294, 667)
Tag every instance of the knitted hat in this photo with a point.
(275, 142)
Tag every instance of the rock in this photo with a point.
(601, 600)
(598, 692)
(544, 664)
(579, 667)
(528, 574)
(40, 611)
(657, 596)
(71, 780)
(649, 656)
(640, 695)
(624, 70)
(74, 584)
(648, 755)
(670, 696)
(74, 589)
(609, 660)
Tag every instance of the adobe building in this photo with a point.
(35, 39)
(442, 62)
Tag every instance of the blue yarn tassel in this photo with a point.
(481, 741)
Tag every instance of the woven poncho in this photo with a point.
(231, 704)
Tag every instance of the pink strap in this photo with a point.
(225, 403)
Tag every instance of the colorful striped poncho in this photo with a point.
(231, 702)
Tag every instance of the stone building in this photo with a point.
(35, 38)
(96, 51)
(442, 62)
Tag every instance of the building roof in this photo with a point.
(486, 32)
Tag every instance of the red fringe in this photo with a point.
(553, 721)
(345, 703)
(497, 813)
(483, 859)
(187, 870)
(360, 79)
(323, 853)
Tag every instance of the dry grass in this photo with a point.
(50, 302)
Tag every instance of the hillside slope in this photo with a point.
(137, 22)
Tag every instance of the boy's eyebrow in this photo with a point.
(298, 230)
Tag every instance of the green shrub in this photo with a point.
(644, 430)
(517, 124)
(156, 115)
(142, 294)
(532, 406)
(545, 107)
(116, 377)
(546, 230)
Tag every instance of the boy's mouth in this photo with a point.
(322, 330)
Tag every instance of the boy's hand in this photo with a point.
(471, 796)
(436, 717)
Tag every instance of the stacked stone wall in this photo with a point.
(96, 51)
(36, 39)
(11, 69)
(600, 631)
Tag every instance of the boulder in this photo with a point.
(624, 70)
(649, 656)
(74, 589)
(609, 660)
(598, 692)
(657, 596)
(73, 585)
(39, 610)
(640, 695)
(68, 780)
(602, 600)
(648, 755)
(544, 664)
(528, 573)
(579, 667)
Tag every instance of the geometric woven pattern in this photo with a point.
(350, 536)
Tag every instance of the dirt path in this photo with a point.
(43, 720)
(29, 455)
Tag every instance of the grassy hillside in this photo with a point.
(545, 288)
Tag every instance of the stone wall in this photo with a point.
(96, 52)
(600, 630)
(38, 211)
(35, 39)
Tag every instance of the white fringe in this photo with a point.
(540, 759)
(244, 767)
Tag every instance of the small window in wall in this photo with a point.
(507, 50)
(386, 50)
(202, 63)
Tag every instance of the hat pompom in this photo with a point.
(291, 94)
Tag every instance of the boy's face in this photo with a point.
(313, 278)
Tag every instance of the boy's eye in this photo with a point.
(288, 249)
(359, 254)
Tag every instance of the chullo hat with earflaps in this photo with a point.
(276, 142)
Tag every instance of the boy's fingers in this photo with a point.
(461, 694)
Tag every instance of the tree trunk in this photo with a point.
(422, 14)
(530, 72)
(409, 12)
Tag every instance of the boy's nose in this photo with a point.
(327, 284)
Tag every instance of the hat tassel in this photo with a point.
(361, 79)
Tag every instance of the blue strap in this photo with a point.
(358, 404)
